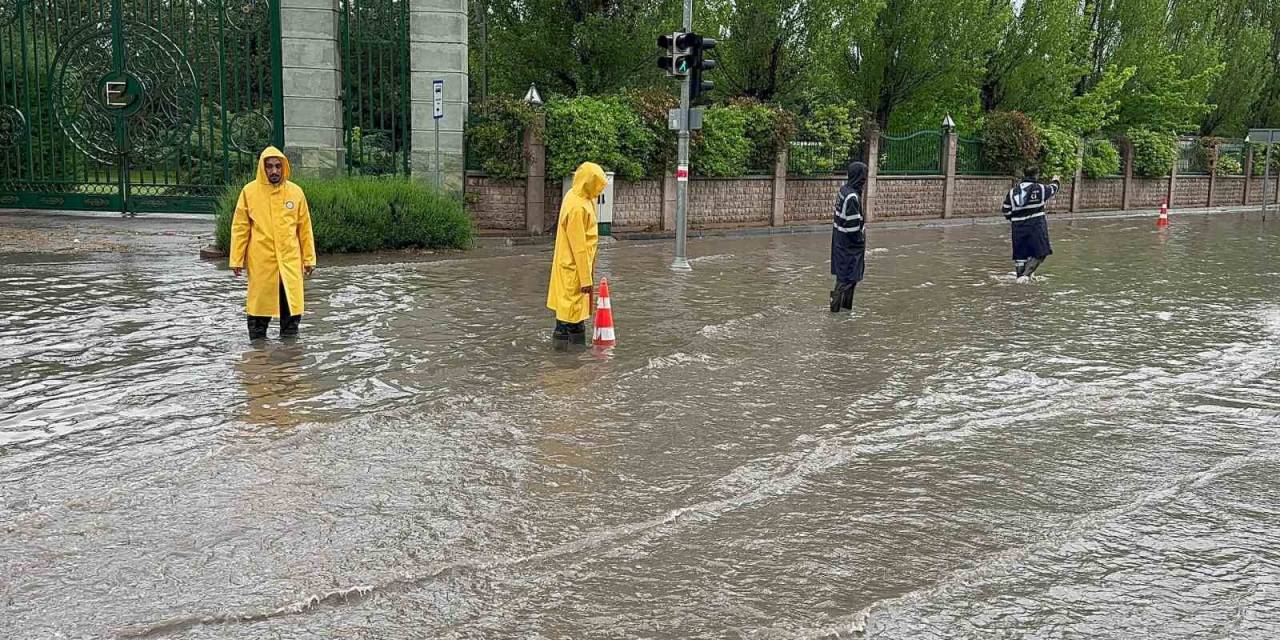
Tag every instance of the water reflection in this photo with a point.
(272, 377)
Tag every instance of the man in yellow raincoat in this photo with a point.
(572, 269)
(271, 238)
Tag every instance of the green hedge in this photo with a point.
(606, 131)
(1059, 152)
(1154, 152)
(1101, 159)
(495, 136)
(1010, 141)
(358, 214)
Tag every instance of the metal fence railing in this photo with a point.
(971, 158)
(1193, 158)
(816, 157)
(918, 153)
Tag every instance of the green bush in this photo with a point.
(1260, 159)
(1009, 140)
(829, 133)
(495, 136)
(1154, 152)
(1059, 151)
(769, 129)
(652, 105)
(358, 214)
(602, 130)
(1229, 166)
(1101, 159)
(722, 148)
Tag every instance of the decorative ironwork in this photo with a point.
(916, 153)
(251, 132)
(9, 11)
(13, 126)
(141, 105)
(246, 15)
(155, 94)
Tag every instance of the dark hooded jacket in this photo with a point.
(848, 237)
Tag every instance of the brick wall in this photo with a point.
(1061, 203)
(978, 197)
(1229, 191)
(1191, 191)
(1102, 194)
(810, 200)
(495, 204)
(730, 202)
(1148, 193)
(637, 206)
(1255, 190)
(899, 198)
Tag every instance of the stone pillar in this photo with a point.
(949, 142)
(1248, 174)
(779, 217)
(668, 202)
(1213, 174)
(873, 170)
(311, 83)
(535, 182)
(1077, 180)
(1126, 153)
(1173, 180)
(438, 51)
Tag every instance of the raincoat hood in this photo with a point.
(272, 152)
(588, 181)
(857, 176)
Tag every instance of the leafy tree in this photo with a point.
(913, 49)
(765, 48)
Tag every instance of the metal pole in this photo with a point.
(439, 171)
(682, 157)
(1266, 179)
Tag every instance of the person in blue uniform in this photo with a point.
(1024, 209)
(848, 239)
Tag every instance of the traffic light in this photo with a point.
(701, 63)
(677, 59)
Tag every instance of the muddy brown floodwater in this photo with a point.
(1093, 455)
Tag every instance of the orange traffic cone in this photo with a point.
(1163, 220)
(604, 318)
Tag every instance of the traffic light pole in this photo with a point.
(681, 263)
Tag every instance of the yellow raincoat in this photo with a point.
(573, 266)
(271, 238)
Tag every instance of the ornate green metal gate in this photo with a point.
(375, 86)
(135, 105)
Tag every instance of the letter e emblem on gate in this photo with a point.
(116, 94)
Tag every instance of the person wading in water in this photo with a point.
(848, 239)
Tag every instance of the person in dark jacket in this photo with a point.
(1024, 209)
(848, 239)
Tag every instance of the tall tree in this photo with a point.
(575, 47)
(765, 48)
(916, 48)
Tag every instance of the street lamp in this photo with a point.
(531, 97)
(948, 125)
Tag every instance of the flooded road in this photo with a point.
(1089, 456)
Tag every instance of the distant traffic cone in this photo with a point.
(1163, 220)
(604, 336)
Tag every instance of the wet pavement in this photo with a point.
(1092, 455)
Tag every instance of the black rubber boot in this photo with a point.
(578, 334)
(258, 327)
(289, 326)
(846, 300)
(835, 301)
(560, 337)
